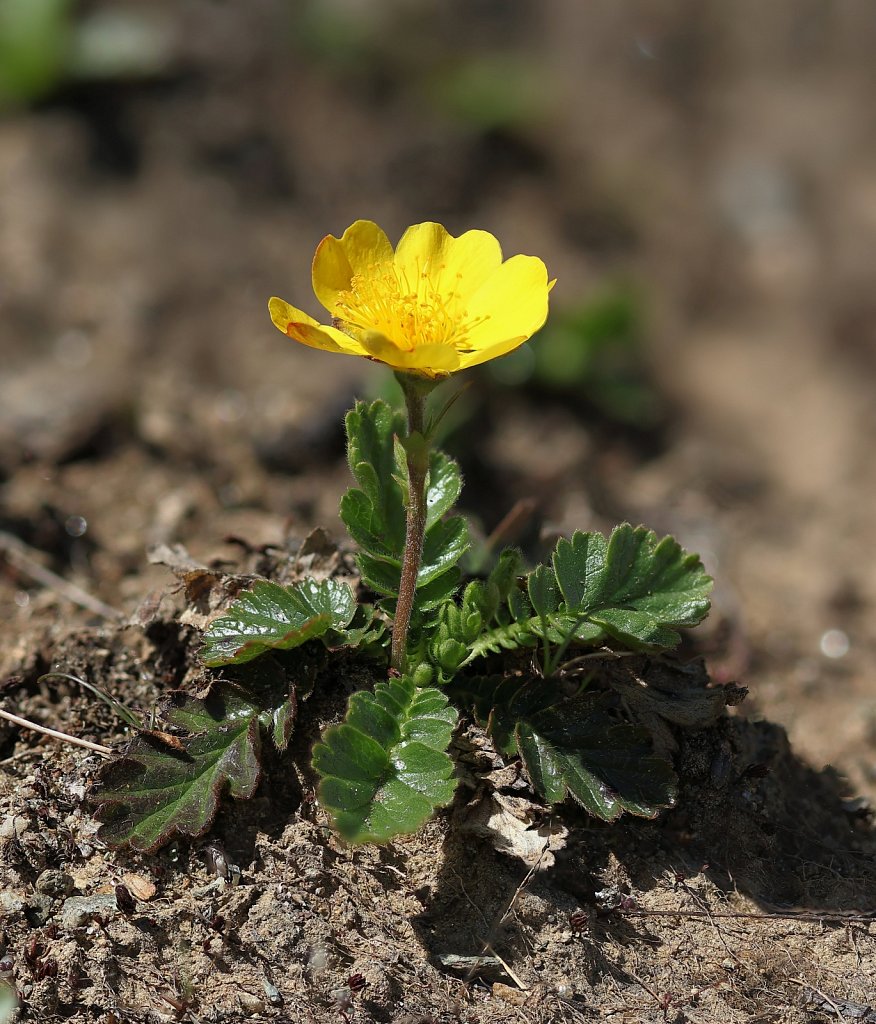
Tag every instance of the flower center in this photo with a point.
(385, 302)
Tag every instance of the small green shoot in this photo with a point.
(128, 716)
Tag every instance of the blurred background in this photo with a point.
(700, 177)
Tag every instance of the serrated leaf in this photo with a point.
(166, 785)
(264, 688)
(363, 631)
(155, 791)
(442, 548)
(270, 616)
(544, 766)
(558, 627)
(366, 526)
(518, 605)
(444, 545)
(607, 766)
(577, 564)
(385, 768)
(637, 588)
(505, 573)
(433, 595)
(508, 637)
(371, 433)
(573, 746)
(375, 513)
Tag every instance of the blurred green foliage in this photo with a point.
(34, 43)
(490, 92)
(8, 1002)
(337, 37)
(43, 43)
(480, 90)
(593, 351)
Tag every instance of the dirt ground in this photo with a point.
(723, 160)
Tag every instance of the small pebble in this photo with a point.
(11, 903)
(13, 826)
(78, 911)
(54, 883)
(250, 1002)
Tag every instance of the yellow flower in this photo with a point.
(435, 305)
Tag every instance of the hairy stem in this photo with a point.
(418, 465)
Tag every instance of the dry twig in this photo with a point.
(55, 734)
(22, 557)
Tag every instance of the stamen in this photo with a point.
(383, 301)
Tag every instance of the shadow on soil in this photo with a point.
(751, 818)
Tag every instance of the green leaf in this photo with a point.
(431, 595)
(167, 785)
(442, 548)
(375, 512)
(543, 591)
(385, 768)
(606, 766)
(266, 691)
(269, 616)
(507, 569)
(637, 588)
(573, 746)
(364, 631)
(371, 433)
(443, 488)
(542, 762)
(444, 545)
(578, 563)
(367, 527)
(159, 792)
(509, 637)
(632, 588)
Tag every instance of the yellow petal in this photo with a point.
(483, 355)
(363, 249)
(454, 267)
(512, 304)
(421, 252)
(296, 324)
(472, 259)
(431, 360)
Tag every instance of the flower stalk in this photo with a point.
(416, 446)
